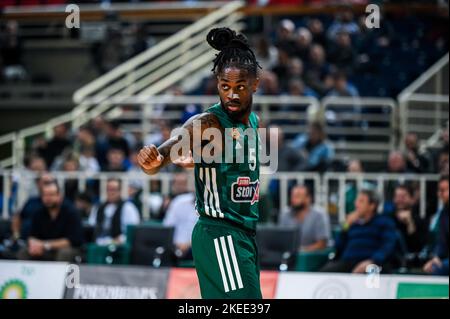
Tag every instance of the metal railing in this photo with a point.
(368, 136)
(329, 189)
(11, 139)
(378, 183)
(368, 125)
(375, 133)
(35, 96)
(423, 105)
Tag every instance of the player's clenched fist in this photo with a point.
(149, 158)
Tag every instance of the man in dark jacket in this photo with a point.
(369, 240)
(56, 231)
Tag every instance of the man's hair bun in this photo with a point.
(222, 38)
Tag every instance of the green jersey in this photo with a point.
(229, 189)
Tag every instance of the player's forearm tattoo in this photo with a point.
(207, 120)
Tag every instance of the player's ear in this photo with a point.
(255, 84)
(217, 81)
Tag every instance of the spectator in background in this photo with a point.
(396, 163)
(438, 265)
(35, 166)
(288, 157)
(88, 161)
(317, 32)
(109, 53)
(56, 231)
(295, 72)
(314, 226)
(316, 152)
(11, 49)
(155, 200)
(22, 219)
(344, 21)
(370, 239)
(179, 186)
(342, 53)
(285, 37)
(71, 164)
(337, 116)
(412, 228)
(443, 163)
(297, 88)
(162, 134)
(55, 147)
(115, 138)
(136, 185)
(98, 127)
(268, 84)
(112, 217)
(341, 87)
(266, 53)
(317, 73)
(110, 136)
(351, 190)
(85, 146)
(281, 69)
(116, 161)
(84, 203)
(415, 162)
(182, 215)
(84, 139)
(439, 157)
(303, 41)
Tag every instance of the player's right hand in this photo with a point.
(149, 157)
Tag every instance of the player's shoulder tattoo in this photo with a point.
(207, 120)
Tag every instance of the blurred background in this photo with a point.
(360, 100)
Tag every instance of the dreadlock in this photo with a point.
(234, 51)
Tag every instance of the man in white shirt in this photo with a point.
(182, 215)
(112, 217)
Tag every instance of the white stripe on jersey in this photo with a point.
(211, 200)
(216, 193)
(208, 187)
(205, 192)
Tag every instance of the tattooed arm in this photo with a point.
(152, 159)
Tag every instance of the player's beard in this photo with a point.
(238, 115)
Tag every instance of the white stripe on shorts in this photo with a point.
(219, 259)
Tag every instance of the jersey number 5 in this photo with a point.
(252, 159)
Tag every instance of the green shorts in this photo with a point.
(226, 260)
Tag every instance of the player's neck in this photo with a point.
(245, 119)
